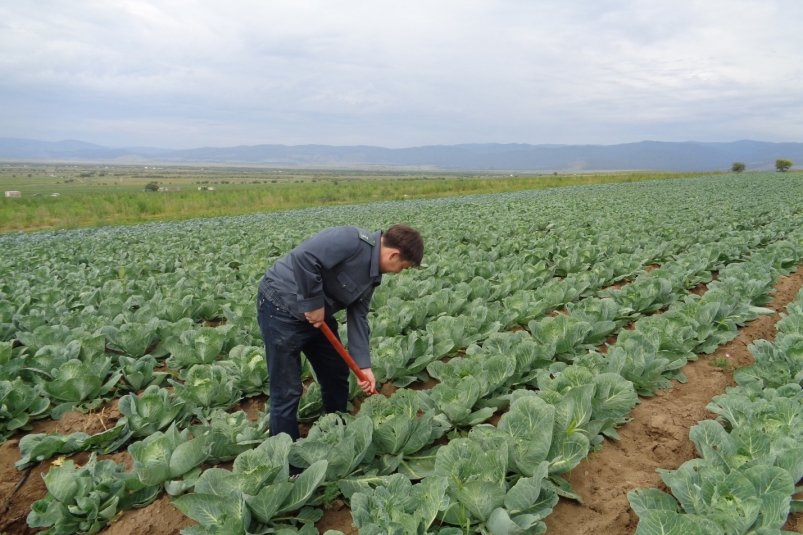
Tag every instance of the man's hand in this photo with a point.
(315, 317)
(369, 386)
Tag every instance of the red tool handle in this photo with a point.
(327, 332)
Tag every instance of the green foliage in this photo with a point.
(230, 434)
(750, 458)
(565, 333)
(138, 373)
(75, 382)
(401, 358)
(195, 346)
(152, 411)
(84, 499)
(527, 430)
(456, 400)
(251, 369)
(92, 204)
(206, 387)
(479, 495)
(38, 447)
(399, 507)
(401, 427)
(256, 495)
(783, 166)
(20, 403)
(132, 339)
(344, 443)
(166, 456)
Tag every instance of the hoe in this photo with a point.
(343, 353)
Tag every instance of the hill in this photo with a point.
(644, 155)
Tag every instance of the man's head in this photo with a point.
(402, 247)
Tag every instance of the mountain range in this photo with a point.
(643, 155)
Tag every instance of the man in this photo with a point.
(334, 270)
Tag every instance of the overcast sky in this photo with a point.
(403, 73)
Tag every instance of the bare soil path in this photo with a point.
(658, 435)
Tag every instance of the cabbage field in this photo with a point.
(133, 386)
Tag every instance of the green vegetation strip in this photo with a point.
(77, 197)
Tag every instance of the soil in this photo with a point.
(656, 437)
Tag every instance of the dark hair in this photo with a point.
(407, 240)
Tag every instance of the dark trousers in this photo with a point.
(285, 338)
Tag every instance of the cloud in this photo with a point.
(185, 73)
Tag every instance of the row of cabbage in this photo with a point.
(751, 456)
(578, 402)
(221, 385)
(211, 384)
(784, 251)
(504, 479)
(787, 255)
(62, 319)
(493, 479)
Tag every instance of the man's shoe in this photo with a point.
(295, 472)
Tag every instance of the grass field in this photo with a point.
(76, 196)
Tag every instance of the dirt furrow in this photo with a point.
(658, 435)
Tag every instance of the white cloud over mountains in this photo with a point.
(180, 73)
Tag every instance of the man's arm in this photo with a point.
(359, 331)
(359, 340)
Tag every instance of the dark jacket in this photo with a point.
(337, 269)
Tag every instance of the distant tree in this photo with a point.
(783, 165)
(737, 167)
(152, 186)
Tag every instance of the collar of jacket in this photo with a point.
(376, 276)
